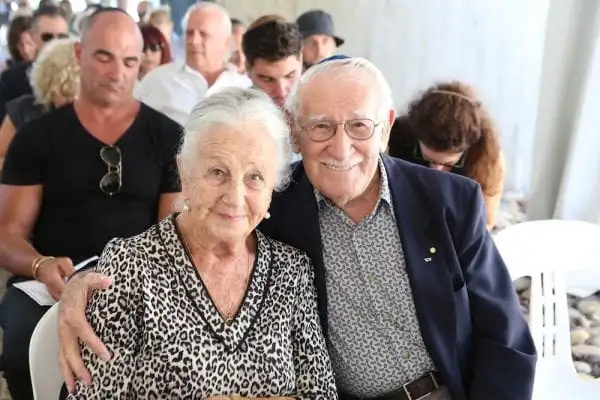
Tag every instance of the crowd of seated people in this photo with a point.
(268, 226)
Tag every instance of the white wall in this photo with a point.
(566, 179)
(496, 45)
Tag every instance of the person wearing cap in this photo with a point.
(318, 36)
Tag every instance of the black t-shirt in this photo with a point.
(76, 218)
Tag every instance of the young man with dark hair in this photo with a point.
(47, 23)
(273, 50)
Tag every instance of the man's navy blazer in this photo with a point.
(466, 305)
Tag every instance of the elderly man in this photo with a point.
(414, 298)
(78, 176)
(175, 88)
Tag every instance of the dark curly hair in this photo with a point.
(271, 38)
(17, 27)
(448, 117)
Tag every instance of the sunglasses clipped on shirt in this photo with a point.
(47, 36)
(112, 181)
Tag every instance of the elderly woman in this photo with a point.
(55, 82)
(203, 304)
(448, 129)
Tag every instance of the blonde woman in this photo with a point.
(54, 78)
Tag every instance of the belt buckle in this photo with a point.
(407, 392)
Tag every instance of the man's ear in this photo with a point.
(294, 131)
(385, 133)
(180, 172)
(78, 49)
(295, 140)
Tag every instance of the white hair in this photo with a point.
(350, 68)
(232, 107)
(207, 6)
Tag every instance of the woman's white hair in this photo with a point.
(353, 68)
(233, 107)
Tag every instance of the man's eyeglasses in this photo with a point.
(418, 155)
(323, 130)
(111, 182)
(47, 36)
(154, 47)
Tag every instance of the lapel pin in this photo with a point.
(432, 250)
(428, 259)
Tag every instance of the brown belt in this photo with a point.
(419, 389)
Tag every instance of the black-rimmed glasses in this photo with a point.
(323, 130)
(418, 155)
(113, 180)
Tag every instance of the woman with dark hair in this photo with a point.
(448, 129)
(20, 44)
(156, 50)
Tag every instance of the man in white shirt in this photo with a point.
(174, 89)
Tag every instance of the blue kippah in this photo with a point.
(335, 57)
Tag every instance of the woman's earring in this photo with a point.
(267, 215)
(186, 207)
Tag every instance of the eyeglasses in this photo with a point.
(111, 182)
(154, 47)
(47, 36)
(418, 155)
(358, 129)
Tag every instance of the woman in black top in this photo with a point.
(448, 129)
(55, 82)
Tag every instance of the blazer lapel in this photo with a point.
(428, 273)
(295, 220)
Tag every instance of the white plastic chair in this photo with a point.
(546, 251)
(46, 378)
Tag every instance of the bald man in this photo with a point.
(176, 88)
(99, 168)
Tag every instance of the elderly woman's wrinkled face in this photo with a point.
(230, 185)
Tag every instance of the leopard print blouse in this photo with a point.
(169, 342)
